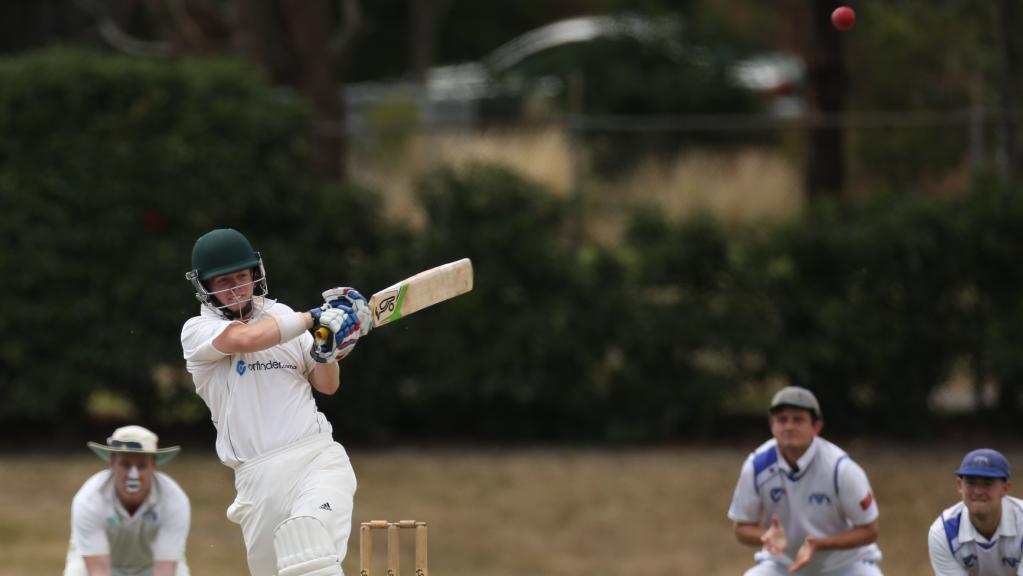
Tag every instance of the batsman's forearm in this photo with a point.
(326, 378)
(260, 335)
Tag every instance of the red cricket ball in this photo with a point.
(843, 18)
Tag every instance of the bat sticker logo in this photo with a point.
(386, 306)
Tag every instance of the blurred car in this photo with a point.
(595, 65)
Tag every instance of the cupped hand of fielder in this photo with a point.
(774, 538)
(804, 555)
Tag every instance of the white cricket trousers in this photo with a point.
(859, 568)
(311, 477)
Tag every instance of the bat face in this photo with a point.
(412, 294)
(421, 291)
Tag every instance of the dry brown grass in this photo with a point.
(542, 155)
(736, 186)
(506, 512)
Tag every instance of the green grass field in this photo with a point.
(505, 512)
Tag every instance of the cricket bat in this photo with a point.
(414, 293)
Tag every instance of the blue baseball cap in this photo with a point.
(984, 462)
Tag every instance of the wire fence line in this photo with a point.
(938, 148)
(984, 132)
(744, 122)
(857, 119)
(978, 125)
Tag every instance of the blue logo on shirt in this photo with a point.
(258, 366)
(969, 561)
(1011, 562)
(777, 493)
(240, 367)
(151, 516)
(820, 498)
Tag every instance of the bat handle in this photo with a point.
(321, 335)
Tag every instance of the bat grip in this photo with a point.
(321, 335)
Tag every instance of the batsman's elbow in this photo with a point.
(329, 390)
(325, 378)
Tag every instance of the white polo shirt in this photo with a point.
(101, 526)
(828, 494)
(957, 549)
(259, 401)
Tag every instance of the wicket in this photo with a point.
(393, 546)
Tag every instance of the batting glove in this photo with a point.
(350, 297)
(343, 325)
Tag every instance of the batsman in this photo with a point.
(254, 362)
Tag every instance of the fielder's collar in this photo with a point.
(804, 461)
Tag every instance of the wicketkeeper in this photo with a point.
(129, 519)
(255, 363)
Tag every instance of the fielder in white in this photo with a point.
(129, 520)
(803, 501)
(255, 363)
(982, 535)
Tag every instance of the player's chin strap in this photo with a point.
(305, 548)
(235, 315)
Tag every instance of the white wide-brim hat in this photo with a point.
(134, 440)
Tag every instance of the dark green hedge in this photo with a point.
(873, 304)
(111, 167)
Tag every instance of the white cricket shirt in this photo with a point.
(958, 550)
(259, 401)
(157, 531)
(828, 494)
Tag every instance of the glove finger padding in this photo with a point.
(350, 297)
(342, 295)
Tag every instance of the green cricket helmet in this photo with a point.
(223, 251)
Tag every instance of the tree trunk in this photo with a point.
(1012, 89)
(250, 38)
(426, 18)
(826, 86)
(306, 22)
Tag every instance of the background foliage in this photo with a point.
(871, 303)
